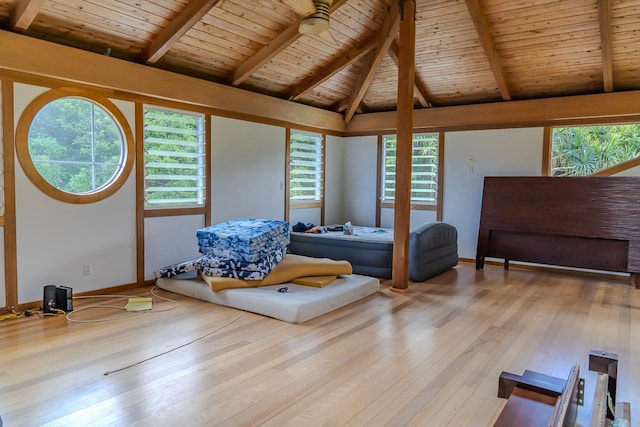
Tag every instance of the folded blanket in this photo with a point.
(243, 238)
(291, 267)
(223, 267)
(179, 268)
(211, 265)
(249, 253)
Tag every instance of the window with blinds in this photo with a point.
(305, 167)
(424, 169)
(174, 158)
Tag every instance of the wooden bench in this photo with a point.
(536, 399)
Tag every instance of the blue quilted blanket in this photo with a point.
(244, 239)
(214, 266)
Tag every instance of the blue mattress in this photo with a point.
(244, 239)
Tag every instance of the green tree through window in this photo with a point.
(306, 159)
(75, 145)
(174, 158)
(584, 150)
(424, 169)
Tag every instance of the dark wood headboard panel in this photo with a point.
(590, 222)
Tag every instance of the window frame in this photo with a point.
(548, 151)
(415, 205)
(307, 203)
(177, 209)
(24, 157)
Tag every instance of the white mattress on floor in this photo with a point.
(298, 304)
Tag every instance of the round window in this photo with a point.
(74, 145)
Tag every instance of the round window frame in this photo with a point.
(24, 157)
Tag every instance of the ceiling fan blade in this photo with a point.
(328, 37)
(301, 7)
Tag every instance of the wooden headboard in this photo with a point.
(587, 222)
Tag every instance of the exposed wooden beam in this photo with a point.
(385, 37)
(274, 47)
(140, 184)
(53, 61)
(24, 13)
(194, 12)
(421, 91)
(342, 105)
(613, 107)
(9, 238)
(404, 147)
(486, 39)
(605, 42)
(335, 67)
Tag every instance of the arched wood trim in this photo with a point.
(22, 145)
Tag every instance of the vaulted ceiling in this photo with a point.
(467, 51)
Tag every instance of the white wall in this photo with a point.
(247, 170)
(307, 215)
(494, 152)
(169, 240)
(359, 177)
(55, 239)
(516, 152)
(333, 188)
(416, 217)
(630, 172)
(334, 180)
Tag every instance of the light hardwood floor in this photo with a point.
(430, 357)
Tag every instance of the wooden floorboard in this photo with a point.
(431, 356)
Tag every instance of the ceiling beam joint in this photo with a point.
(605, 42)
(386, 35)
(332, 69)
(24, 13)
(421, 91)
(271, 49)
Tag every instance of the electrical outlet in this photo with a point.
(87, 269)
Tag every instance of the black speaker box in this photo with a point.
(56, 297)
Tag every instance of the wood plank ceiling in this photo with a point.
(467, 51)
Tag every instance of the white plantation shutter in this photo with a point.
(424, 169)
(305, 167)
(174, 158)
